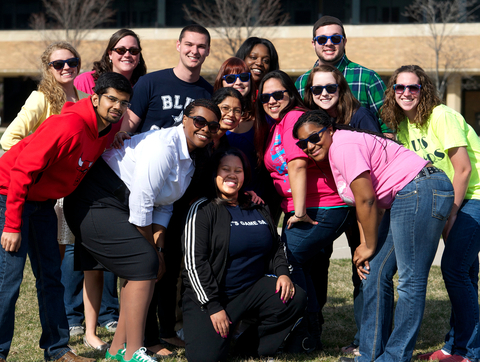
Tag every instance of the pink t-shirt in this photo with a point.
(85, 82)
(391, 165)
(281, 149)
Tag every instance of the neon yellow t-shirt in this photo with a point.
(445, 129)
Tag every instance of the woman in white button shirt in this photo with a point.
(120, 212)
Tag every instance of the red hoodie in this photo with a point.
(50, 163)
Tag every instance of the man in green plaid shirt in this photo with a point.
(329, 42)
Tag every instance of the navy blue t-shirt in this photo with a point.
(250, 243)
(364, 119)
(159, 98)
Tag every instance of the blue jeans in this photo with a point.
(39, 240)
(304, 241)
(73, 282)
(460, 272)
(407, 240)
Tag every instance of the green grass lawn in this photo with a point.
(339, 328)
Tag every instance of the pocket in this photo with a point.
(442, 204)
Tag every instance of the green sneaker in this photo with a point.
(140, 356)
(117, 357)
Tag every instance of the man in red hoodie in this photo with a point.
(43, 167)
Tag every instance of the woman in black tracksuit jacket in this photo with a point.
(235, 268)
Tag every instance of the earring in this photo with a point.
(110, 60)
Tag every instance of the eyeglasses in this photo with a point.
(318, 89)
(401, 88)
(322, 39)
(313, 138)
(227, 110)
(200, 122)
(115, 100)
(59, 64)
(123, 51)
(232, 78)
(278, 95)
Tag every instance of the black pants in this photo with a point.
(275, 320)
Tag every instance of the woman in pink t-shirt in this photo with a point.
(314, 213)
(374, 173)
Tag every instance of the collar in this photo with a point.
(341, 65)
(183, 147)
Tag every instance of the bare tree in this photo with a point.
(236, 20)
(441, 18)
(74, 18)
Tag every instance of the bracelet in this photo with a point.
(300, 217)
(160, 249)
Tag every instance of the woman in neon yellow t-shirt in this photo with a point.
(441, 135)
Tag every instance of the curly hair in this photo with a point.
(48, 85)
(347, 104)
(104, 65)
(236, 65)
(391, 111)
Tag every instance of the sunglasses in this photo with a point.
(200, 122)
(59, 64)
(322, 39)
(318, 89)
(313, 138)
(413, 88)
(232, 78)
(115, 100)
(278, 95)
(123, 51)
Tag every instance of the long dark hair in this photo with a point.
(104, 65)
(248, 45)
(262, 126)
(215, 194)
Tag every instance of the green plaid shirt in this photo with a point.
(365, 84)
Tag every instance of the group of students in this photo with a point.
(211, 187)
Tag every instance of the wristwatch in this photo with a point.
(160, 249)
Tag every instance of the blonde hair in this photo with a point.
(48, 85)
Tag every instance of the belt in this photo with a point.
(427, 171)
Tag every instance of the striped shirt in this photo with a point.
(365, 84)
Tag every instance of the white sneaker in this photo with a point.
(141, 356)
(76, 330)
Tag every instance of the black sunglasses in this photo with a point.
(313, 138)
(322, 39)
(123, 51)
(318, 89)
(265, 97)
(59, 64)
(200, 122)
(232, 78)
(400, 88)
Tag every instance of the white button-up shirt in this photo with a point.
(157, 169)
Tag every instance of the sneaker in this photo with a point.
(111, 327)
(456, 358)
(351, 348)
(76, 330)
(117, 357)
(140, 356)
(437, 355)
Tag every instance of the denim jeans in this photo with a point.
(407, 240)
(305, 241)
(39, 240)
(73, 282)
(460, 272)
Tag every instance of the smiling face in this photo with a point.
(325, 100)
(193, 49)
(258, 61)
(198, 137)
(329, 53)
(109, 111)
(408, 101)
(125, 64)
(274, 107)
(231, 109)
(230, 177)
(66, 75)
(242, 87)
(318, 151)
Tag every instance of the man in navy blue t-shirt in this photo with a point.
(160, 97)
